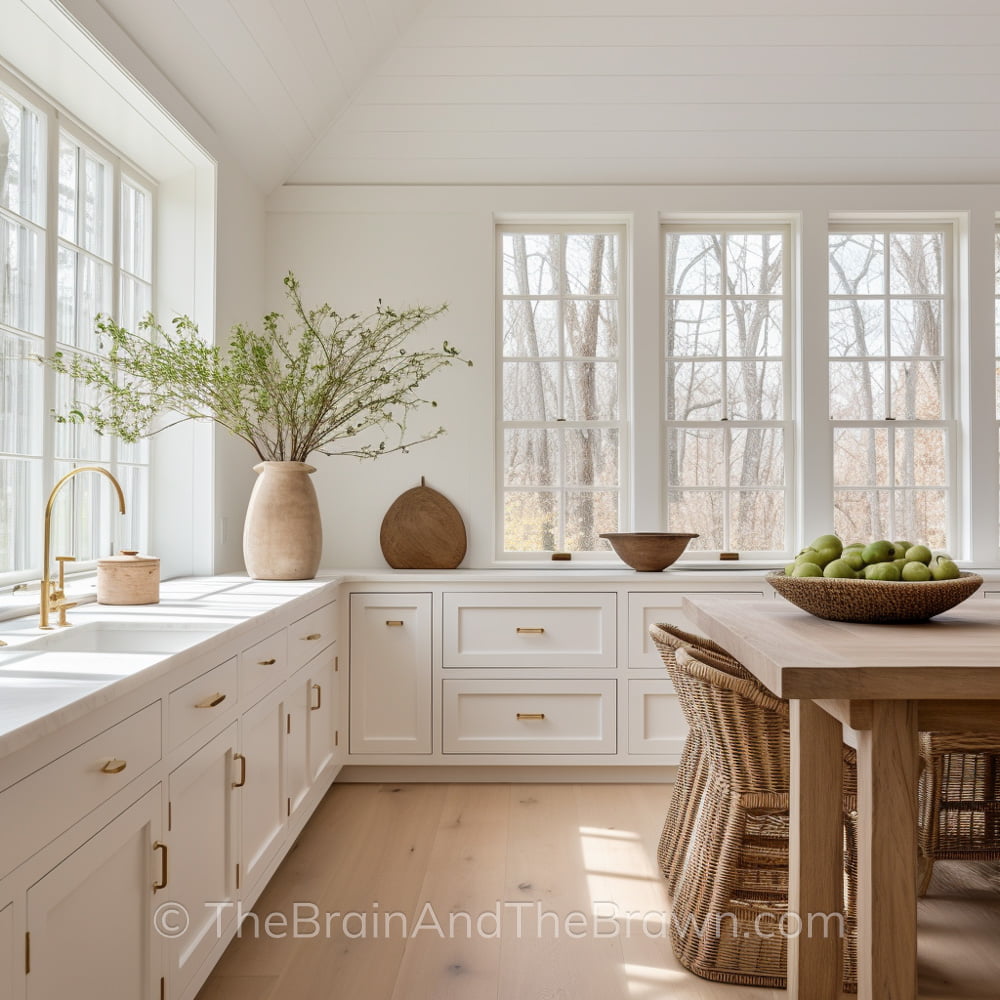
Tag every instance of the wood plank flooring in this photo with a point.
(475, 891)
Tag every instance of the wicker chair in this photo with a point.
(731, 888)
(959, 799)
(689, 782)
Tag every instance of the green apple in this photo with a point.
(944, 569)
(853, 558)
(840, 569)
(900, 563)
(916, 571)
(882, 571)
(919, 553)
(807, 569)
(789, 568)
(828, 542)
(901, 547)
(876, 552)
(818, 556)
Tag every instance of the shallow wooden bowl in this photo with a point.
(873, 602)
(648, 551)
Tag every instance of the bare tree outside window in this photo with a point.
(561, 386)
(725, 313)
(888, 408)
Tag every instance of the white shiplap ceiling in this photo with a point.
(588, 91)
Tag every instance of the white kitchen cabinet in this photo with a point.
(7, 974)
(89, 919)
(263, 806)
(656, 722)
(529, 716)
(201, 835)
(324, 712)
(539, 629)
(297, 777)
(645, 609)
(390, 677)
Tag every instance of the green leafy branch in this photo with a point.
(301, 386)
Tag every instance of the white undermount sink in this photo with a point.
(126, 637)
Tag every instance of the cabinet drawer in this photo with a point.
(310, 635)
(44, 804)
(527, 716)
(656, 723)
(262, 667)
(529, 630)
(199, 702)
(656, 609)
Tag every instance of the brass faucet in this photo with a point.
(54, 594)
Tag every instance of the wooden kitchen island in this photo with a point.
(887, 683)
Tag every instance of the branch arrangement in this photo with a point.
(301, 386)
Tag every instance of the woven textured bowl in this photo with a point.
(873, 602)
(648, 551)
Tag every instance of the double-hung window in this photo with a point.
(726, 389)
(69, 250)
(889, 375)
(561, 393)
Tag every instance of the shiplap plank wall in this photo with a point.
(727, 91)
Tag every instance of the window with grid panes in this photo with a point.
(62, 261)
(561, 393)
(996, 315)
(726, 313)
(890, 411)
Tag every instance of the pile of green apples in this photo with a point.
(882, 560)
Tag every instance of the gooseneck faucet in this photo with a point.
(54, 595)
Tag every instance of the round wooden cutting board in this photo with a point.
(423, 530)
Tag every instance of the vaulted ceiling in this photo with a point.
(587, 91)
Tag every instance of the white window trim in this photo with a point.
(582, 223)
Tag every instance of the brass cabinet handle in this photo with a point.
(211, 701)
(319, 698)
(395, 624)
(531, 715)
(313, 637)
(531, 631)
(162, 884)
(114, 766)
(266, 663)
(243, 770)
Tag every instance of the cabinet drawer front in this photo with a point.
(656, 609)
(520, 717)
(529, 630)
(656, 722)
(262, 667)
(310, 635)
(44, 804)
(200, 702)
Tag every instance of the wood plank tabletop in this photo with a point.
(953, 656)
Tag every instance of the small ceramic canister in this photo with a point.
(128, 578)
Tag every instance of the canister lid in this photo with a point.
(130, 557)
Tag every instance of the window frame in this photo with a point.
(55, 121)
(724, 226)
(608, 226)
(950, 422)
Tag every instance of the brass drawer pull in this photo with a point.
(319, 699)
(395, 624)
(162, 884)
(114, 766)
(313, 637)
(266, 663)
(531, 715)
(243, 770)
(212, 700)
(531, 631)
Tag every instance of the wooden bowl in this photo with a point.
(873, 602)
(648, 551)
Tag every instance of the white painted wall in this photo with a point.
(350, 245)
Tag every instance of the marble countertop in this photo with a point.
(43, 689)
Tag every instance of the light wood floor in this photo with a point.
(437, 852)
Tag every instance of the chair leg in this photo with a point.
(925, 869)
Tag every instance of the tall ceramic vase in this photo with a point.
(282, 534)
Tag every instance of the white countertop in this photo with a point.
(42, 689)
